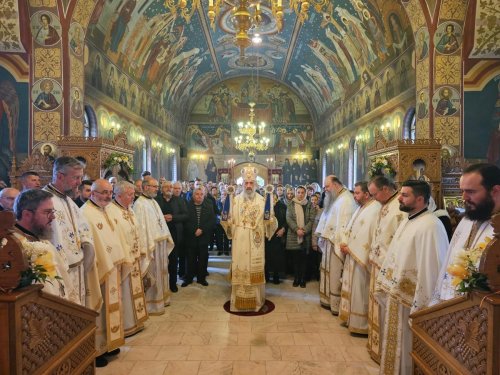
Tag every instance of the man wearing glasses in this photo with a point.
(70, 232)
(157, 242)
(109, 258)
(34, 212)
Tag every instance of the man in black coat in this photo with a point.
(175, 214)
(198, 231)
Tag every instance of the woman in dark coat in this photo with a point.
(298, 239)
(275, 255)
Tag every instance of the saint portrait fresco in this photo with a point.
(45, 28)
(447, 38)
(76, 102)
(422, 43)
(76, 35)
(47, 94)
(446, 101)
(422, 104)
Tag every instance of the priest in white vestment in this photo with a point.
(250, 219)
(70, 233)
(408, 275)
(356, 247)
(324, 279)
(480, 185)
(382, 190)
(109, 258)
(332, 261)
(157, 243)
(133, 299)
(34, 211)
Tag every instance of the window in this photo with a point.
(89, 122)
(410, 124)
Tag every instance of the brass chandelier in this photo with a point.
(250, 139)
(246, 14)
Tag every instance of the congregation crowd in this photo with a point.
(379, 252)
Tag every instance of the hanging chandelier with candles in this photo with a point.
(246, 16)
(251, 140)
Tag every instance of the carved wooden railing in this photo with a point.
(44, 334)
(462, 336)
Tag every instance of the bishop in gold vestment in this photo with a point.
(247, 227)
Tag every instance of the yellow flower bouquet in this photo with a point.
(42, 266)
(465, 272)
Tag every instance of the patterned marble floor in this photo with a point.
(196, 336)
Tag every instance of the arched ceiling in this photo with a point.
(325, 61)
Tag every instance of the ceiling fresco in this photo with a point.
(325, 61)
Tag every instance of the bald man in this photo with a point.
(7, 198)
(157, 243)
(109, 258)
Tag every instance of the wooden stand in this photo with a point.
(95, 151)
(462, 335)
(403, 154)
(44, 334)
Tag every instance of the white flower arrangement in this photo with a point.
(381, 167)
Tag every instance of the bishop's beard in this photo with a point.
(249, 194)
(328, 200)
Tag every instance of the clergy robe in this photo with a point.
(356, 275)
(388, 221)
(247, 228)
(467, 236)
(69, 230)
(332, 262)
(109, 258)
(324, 282)
(157, 244)
(406, 282)
(33, 247)
(133, 299)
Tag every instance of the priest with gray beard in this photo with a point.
(246, 221)
(333, 227)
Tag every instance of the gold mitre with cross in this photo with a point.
(249, 174)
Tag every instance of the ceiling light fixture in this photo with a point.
(246, 15)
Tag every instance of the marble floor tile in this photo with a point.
(265, 353)
(291, 327)
(264, 327)
(117, 367)
(315, 368)
(167, 339)
(307, 339)
(249, 368)
(173, 353)
(196, 336)
(202, 338)
(280, 339)
(223, 338)
(141, 353)
(204, 353)
(150, 367)
(257, 339)
(182, 367)
(282, 367)
(296, 353)
(216, 368)
(326, 353)
(234, 353)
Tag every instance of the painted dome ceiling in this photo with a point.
(325, 61)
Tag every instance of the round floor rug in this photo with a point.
(265, 309)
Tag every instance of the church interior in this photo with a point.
(197, 89)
